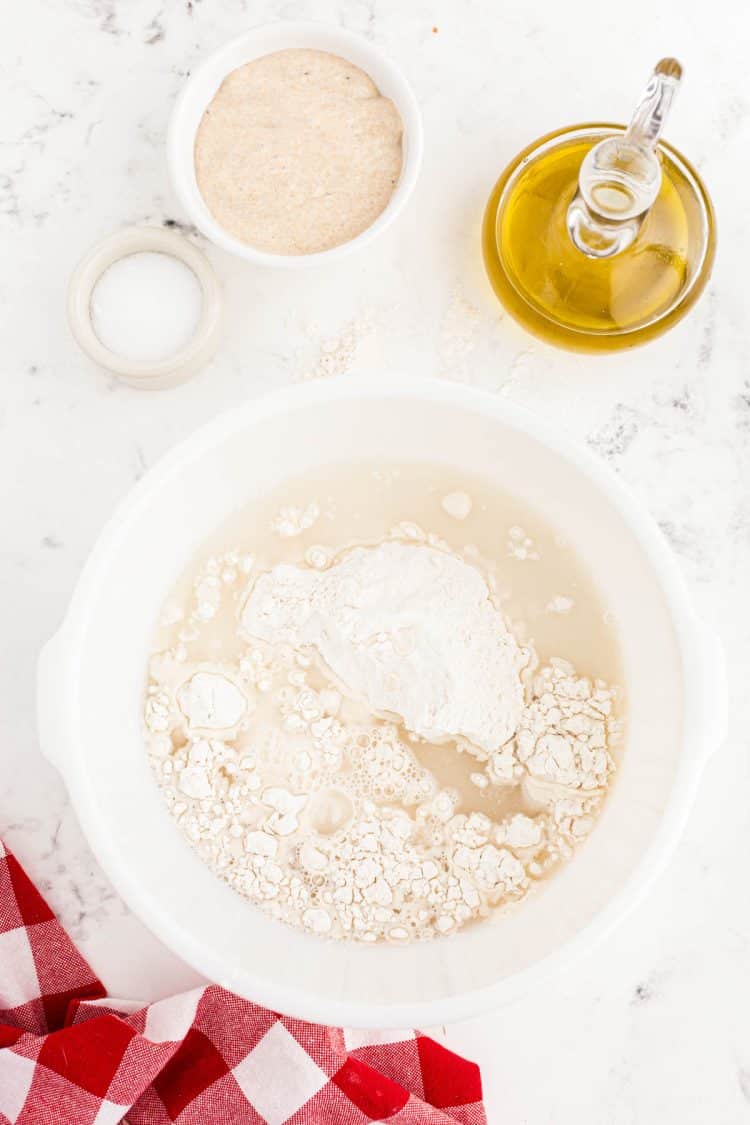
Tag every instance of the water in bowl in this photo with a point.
(330, 811)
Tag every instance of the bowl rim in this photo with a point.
(696, 728)
(290, 33)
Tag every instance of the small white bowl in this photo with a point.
(138, 373)
(200, 88)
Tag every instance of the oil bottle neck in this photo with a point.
(620, 177)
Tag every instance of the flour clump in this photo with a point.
(409, 630)
(211, 701)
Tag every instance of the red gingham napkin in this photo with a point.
(68, 1055)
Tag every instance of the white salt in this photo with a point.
(145, 307)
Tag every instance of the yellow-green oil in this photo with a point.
(593, 304)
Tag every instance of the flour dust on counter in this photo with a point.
(383, 701)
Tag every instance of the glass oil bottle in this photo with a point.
(599, 237)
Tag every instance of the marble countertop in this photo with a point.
(655, 1026)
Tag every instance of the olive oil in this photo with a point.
(600, 304)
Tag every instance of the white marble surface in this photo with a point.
(656, 1025)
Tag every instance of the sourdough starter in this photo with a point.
(382, 702)
(298, 152)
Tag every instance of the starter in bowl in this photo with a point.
(383, 703)
(298, 152)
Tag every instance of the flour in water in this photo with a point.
(407, 629)
(379, 703)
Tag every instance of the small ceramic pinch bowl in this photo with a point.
(146, 374)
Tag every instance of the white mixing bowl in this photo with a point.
(92, 674)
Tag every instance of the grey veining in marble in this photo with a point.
(655, 1026)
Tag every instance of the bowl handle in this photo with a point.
(51, 700)
(714, 698)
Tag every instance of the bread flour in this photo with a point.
(409, 631)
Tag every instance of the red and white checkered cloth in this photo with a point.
(68, 1055)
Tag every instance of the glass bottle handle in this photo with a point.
(650, 115)
(620, 177)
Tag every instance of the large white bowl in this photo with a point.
(92, 673)
(203, 83)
